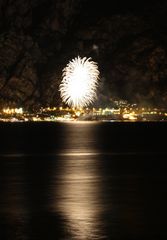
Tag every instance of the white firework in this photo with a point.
(79, 84)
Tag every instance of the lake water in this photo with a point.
(83, 181)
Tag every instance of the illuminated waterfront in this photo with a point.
(123, 113)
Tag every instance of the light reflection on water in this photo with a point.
(77, 197)
(82, 182)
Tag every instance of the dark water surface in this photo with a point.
(83, 181)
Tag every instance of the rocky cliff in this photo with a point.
(39, 37)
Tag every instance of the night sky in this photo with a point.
(128, 40)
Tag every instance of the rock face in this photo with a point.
(39, 37)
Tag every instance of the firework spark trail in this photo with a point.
(79, 84)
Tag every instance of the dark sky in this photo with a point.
(108, 8)
(156, 11)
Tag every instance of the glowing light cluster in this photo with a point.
(13, 110)
(79, 83)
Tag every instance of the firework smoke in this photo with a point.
(79, 84)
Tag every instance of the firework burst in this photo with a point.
(79, 84)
